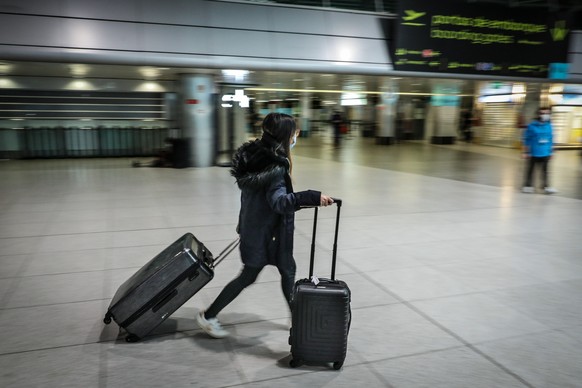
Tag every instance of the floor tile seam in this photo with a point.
(230, 350)
(149, 336)
(433, 298)
(372, 363)
(392, 268)
(488, 293)
(176, 227)
(530, 314)
(7, 296)
(69, 273)
(120, 338)
(519, 336)
(415, 354)
(4, 309)
(377, 374)
(264, 282)
(95, 249)
(274, 379)
(562, 330)
(450, 332)
(117, 269)
(115, 231)
(367, 363)
(536, 280)
(81, 250)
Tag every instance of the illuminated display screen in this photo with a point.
(468, 38)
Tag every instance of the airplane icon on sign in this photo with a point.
(412, 15)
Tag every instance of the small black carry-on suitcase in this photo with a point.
(161, 286)
(320, 313)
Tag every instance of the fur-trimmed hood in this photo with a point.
(255, 165)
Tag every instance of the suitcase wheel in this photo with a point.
(132, 338)
(295, 362)
(338, 365)
(107, 320)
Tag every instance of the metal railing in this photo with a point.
(74, 142)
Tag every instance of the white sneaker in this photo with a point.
(211, 326)
(528, 190)
(550, 190)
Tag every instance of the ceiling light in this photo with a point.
(5, 68)
(236, 75)
(78, 70)
(149, 73)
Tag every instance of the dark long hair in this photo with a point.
(278, 129)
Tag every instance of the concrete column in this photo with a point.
(386, 113)
(442, 122)
(197, 111)
(232, 128)
(305, 114)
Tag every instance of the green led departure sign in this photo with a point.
(468, 38)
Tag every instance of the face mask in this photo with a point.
(545, 117)
(294, 142)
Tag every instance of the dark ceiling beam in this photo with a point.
(552, 5)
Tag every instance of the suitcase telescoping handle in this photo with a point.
(226, 251)
(338, 202)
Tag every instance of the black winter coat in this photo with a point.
(268, 205)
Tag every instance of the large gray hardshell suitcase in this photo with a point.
(161, 286)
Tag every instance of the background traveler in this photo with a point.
(466, 123)
(175, 154)
(537, 149)
(336, 122)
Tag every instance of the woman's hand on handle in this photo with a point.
(325, 200)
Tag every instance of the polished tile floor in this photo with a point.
(458, 279)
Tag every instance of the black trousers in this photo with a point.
(247, 276)
(542, 162)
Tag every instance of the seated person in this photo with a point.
(174, 154)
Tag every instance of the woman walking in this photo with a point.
(262, 169)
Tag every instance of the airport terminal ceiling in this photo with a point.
(268, 79)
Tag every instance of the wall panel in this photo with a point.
(233, 15)
(176, 39)
(39, 7)
(105, 9)
(30, 31)
(186, 12)
(102, 35)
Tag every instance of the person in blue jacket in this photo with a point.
(538, 145)
(262, 169)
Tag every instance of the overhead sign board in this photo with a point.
(469, 38)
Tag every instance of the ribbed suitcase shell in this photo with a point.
(320, 313)
(161, 286)
(320, 321)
